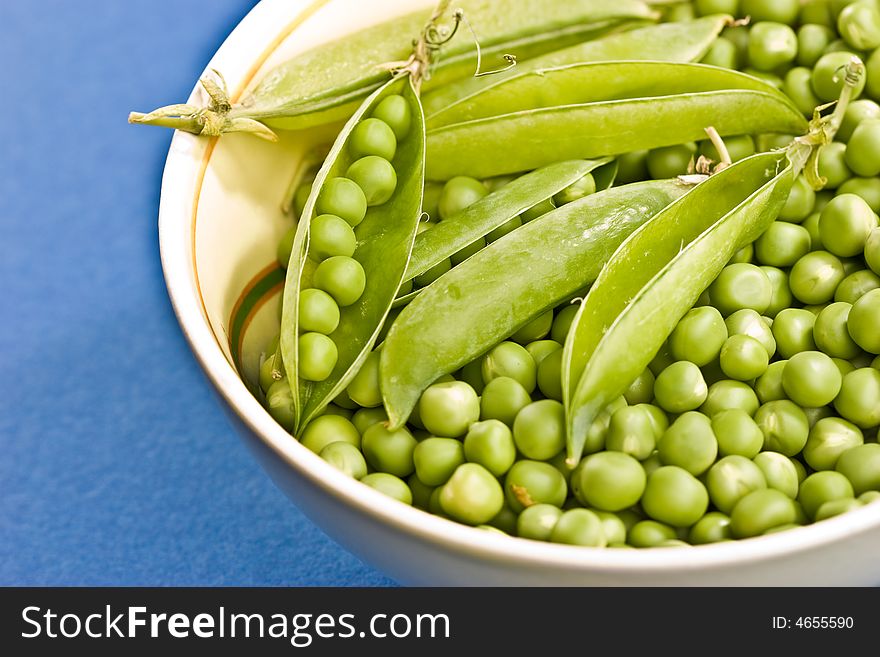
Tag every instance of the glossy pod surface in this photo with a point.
(546, 261)
(384, 241)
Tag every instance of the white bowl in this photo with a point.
(219, 222)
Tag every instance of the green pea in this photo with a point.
(863, 322)
(689, 443)
(872, 251)
(650, 533)
(738, 147)
(821, 487)
(550, 375)
(699, 336)
(710, 7)
(393, 487)
(830, 331)
(610, 481)
(426, 278)
(727, 395)
(345, 457)
(745, 254)
(540, 349)
(732, 478)
(869, 496)
(435, 459)
(713, 527)
(490, 443)
(845, 223)
(562, 323)
(502, 399)
(576, 191)
(579, 527)
(465, 253)
(535, 330)
(396, 112)
(859, 398)
(285, 246)
(680, 387)
(317, 356)
(680, 12)
(835, 508)
(798, 85)
(785, 426)
(737, 433)
(364, 418)
(743, 358)
(534, 482)
(375, 176)
(815, 277)
(781, 298)
(447, 409)
(812, 40)
(301, 196)
(504, 229)
(364, 387)
(659, 421)
(722, 53)
(640, 391)
(817, 12)
(771, 45)
(389, 451)
(832, 165)
(270, 371)
(855, 286)
(740, 286)
(329, 236)
(761, 511)
(781, 11)
(631, 431)
(783, 244)
(868, 189)
(828, 76)
(279, 401)
(342, 278)
(537, 522)
(372, 137)
(859, 25)
(599, 429)
(749, 322)
(670, 161)
(512, 360)
(327, 429)
(632, 167)
(811, 379)
(661, 360)
(318, 312)
(872, 77)
(779, 472)
(793, 330)
(861, 466)
(539, 429)
(459, 193)
(537, 210)
(675, 497)
(861, 151)
(829, 438)
(344, 198)
(811, 224)
(768, 387)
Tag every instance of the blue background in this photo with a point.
(116, 464)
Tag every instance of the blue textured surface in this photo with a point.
(116, 464)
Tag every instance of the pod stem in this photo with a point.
(211, 121)
(804, 151)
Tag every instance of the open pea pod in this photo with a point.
(384, 240)
(515, 279)
(593, 82)
(684, 41)
(327, 83)
(656, 275)
(455, 233)
(526, 140)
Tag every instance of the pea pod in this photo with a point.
(656, 275)
(327, 83)
(593, 82)
(555, 256)
(526, 140)
(684, 41)
(477, 220)
(384, 241)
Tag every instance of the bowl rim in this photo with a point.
(185, 168)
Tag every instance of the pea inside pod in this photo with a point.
(656, 276)
(380, 201)
(557, 255)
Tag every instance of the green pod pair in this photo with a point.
(656, 276)
(384, 239)
(685, 41)
(516, 279)
(599, 109)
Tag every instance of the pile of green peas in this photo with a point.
(339, 279)
(761, 411)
